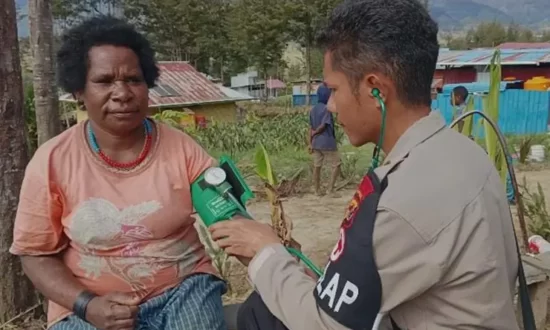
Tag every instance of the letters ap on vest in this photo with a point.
(350, 290)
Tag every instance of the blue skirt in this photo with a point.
(196, 304)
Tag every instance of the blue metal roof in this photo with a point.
(483, 57)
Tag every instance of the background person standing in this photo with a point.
(458, 101)
(322, 141)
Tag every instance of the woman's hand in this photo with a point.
(243, 238)
(114, 311)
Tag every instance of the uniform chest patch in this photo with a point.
(350, 288)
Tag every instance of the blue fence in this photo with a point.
(521, 112)
(299, 100)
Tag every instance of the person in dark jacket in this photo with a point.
(322, 139)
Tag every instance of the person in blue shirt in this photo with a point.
(322, 139)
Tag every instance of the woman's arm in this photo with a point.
(38, 237)
(39, 240)
(53, 279)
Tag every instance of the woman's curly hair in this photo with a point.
(72, 57)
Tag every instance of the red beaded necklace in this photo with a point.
(113, 163)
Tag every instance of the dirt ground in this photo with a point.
(316, 221)
(541, 176)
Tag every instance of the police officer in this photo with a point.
(428, 239)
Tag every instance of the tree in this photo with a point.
(258, 33)
(71, 11)
(16, 292)
(513, 32)
(527, 35)
(545, 36)
(426, 4)
(45, 89)
(306, 16)
(169, 24)
(201, 30)
(491, 34)
(487, 34)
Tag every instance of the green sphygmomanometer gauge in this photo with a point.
(220, 193)
(215, 176)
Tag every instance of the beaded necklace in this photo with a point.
(113, 163)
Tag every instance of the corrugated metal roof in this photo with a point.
(234, 94)
(483, 57)
(475, 87)
(524, 45)
(192, 87)
(180, 84)
(275, 84)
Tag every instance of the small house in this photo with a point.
(299, 92)
(251, 84)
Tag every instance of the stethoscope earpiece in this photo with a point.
(376, 152)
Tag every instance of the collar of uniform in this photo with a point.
(419, 132)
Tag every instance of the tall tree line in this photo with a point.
(224, 37)
(491, 34)
(219, 37)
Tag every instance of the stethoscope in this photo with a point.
(375, 162)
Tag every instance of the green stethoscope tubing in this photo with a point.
(305, 260)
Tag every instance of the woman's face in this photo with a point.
(115, 95)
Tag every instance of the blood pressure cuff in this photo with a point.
(350, 290)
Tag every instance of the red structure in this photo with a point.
(456, 75)
(524, 45)
(518, 63)
(525, 72)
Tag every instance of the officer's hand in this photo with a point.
(243, 238)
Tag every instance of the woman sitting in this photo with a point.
(104, 226)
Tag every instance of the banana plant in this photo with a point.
(280, 222)
(491, 108)
(263, 166)
(468, 127)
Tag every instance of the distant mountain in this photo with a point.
(459, 14)
(527, 12)
(450, 14)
